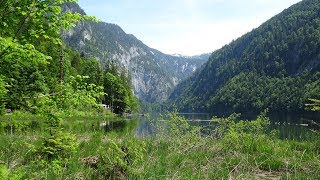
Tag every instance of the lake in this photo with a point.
(289, 125)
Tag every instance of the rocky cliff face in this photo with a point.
(154, 74)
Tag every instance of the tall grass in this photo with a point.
(235, 149)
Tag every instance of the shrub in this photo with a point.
(61, 145)
(119, 159)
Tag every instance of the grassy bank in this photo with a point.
(31, 148)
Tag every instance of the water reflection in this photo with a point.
(144, 127)
(289, 126)
(295, 126)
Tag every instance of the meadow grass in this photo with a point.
(242, 150)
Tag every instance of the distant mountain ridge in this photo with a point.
(275, 66)
(154, 74)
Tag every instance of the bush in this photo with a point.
(246, 136)
(232, 125)
(120, 159)
(77, 95)
(177, 130)
(61, 145)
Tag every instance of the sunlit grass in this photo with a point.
(177, 151)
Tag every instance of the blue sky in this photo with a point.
(187, 27)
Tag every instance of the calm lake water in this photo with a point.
(289, 126)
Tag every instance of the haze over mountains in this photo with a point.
(275, 66)
(154, 74)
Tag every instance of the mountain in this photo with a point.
(153, 73)
(274, 66)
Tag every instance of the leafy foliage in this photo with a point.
(117, 160)
(30, 22)
(118, 90)
(235, 133)
(315, 106)
(60, 145)
(33, 61)
(26, 28)
(78, 94)
(22, 69)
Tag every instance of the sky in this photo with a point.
(187, 27)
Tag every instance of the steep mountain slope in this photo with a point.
(154, 74)
(275, 66)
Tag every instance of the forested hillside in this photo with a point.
(153, 73)
(275, 66)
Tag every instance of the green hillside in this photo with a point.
(275, 66)
(154, 74)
